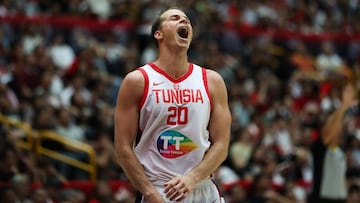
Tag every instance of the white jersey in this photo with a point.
(174, 116)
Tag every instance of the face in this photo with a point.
(175, 29)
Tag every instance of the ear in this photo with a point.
(158, 35)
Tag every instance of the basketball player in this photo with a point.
(181, 113)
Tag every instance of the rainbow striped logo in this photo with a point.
(172, 144)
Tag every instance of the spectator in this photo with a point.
(8, 195)
(103, 193)
(236, 194)
(22, 187)
(262, 191)
(106, 162)
(72, 196)
(9, 103)
(11, 164)
(328, 60)
(32, 38)
(302, 59)
(62, 55)
(40, 195)
(241, 149)
(328, 157)
(74, 133)
(76, 85)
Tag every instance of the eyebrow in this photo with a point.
(178, 15)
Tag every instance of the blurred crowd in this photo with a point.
(65, 79)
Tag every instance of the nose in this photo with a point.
(184, 19)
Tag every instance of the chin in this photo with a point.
(183, 47)
(183, 43)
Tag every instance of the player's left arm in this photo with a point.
(219, 128)
(219, 131)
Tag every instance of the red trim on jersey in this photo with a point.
(146, 87)
(204, 75)
(217, 187)
(180, 79)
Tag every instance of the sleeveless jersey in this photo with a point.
(174, 116)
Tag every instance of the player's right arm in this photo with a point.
(126, 126)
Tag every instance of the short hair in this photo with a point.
(158, 21)
(156, 26)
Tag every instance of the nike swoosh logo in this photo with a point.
(157, 83)
(180, 105)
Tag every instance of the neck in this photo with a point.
(174, 63)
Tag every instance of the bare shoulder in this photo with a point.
(132, 86)
(134, 78)
(213, 76)
(216, 83)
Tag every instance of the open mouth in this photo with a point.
(183, 32)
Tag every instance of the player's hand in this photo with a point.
(178, 188)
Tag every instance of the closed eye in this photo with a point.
(177, 17)
(174, 17)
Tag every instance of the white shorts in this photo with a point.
(205, 192)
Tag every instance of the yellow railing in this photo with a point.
(34, 140)
(26, 143)
(90, 167)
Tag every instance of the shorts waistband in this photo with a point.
(199, 184)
